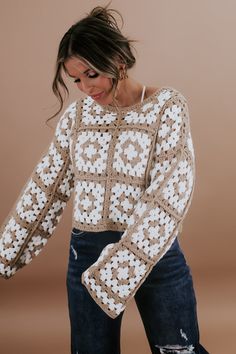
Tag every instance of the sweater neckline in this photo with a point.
(131, 107)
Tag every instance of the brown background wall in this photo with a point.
(184, 44)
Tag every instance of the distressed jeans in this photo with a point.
(166, 302)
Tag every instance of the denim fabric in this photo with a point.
(166, 302)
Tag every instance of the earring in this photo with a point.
(123, 74)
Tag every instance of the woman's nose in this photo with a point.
(84, 86)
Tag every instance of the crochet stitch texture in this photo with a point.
(130, 169)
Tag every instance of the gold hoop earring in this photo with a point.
(123, 74)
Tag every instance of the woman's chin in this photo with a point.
(103, 99)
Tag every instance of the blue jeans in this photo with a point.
(166, 302)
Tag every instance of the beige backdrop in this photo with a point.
(189, 45)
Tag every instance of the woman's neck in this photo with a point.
(128, 93)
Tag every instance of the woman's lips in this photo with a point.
(97, 96)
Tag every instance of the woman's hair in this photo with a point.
(97, 40)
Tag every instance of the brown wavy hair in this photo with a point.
(98, 40)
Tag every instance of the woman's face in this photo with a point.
(89, 81)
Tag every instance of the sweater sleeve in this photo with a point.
(38, 209)
(157, 217)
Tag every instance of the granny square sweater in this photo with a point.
(130, 169)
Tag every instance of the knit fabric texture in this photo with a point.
(129, 169)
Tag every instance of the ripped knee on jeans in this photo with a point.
(176, 349)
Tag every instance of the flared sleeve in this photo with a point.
(157, 218)
(38, 209)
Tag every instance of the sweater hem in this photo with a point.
(107, 226)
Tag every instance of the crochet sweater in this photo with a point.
(130, 169)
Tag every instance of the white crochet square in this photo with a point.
(139, 209)
(66, 185)
(151, 235)
(131, 153)
(122, 201)
(88, 201)
(64, 126)
(179, 187)
(33, 248)
(50, 166)
(169, 132)
(31, 203)
(148, 115)
(13, 237)
(158, 173)
(91, 151)
(122, 272)
(93, 114)
(53, 216)
(149, 112)
(7, 271)
(102, 297)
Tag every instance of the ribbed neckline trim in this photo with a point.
(135, 106)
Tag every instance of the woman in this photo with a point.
(126, 151)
